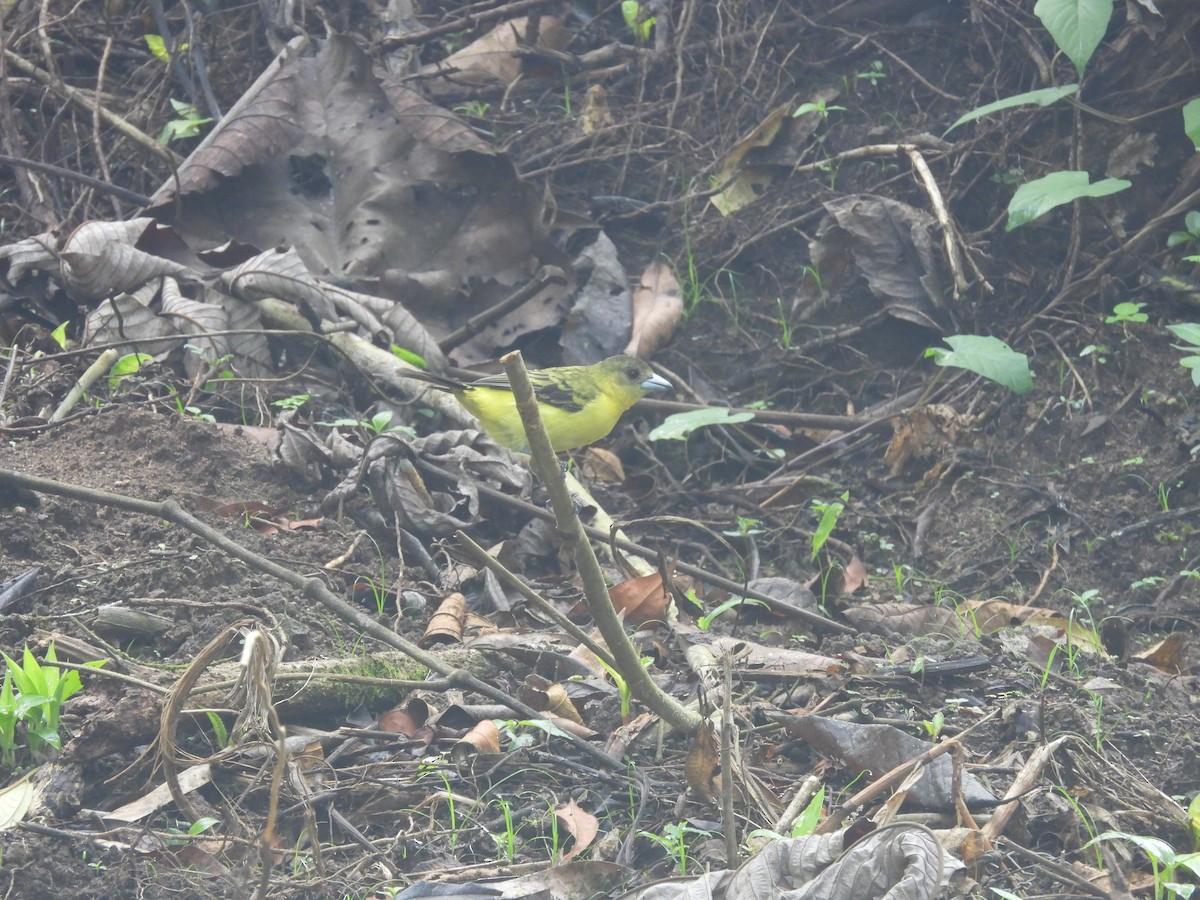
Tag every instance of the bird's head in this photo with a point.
(632, 376)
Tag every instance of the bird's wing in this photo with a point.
(560, 390)
(553, 387)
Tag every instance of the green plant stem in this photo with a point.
(545, 465)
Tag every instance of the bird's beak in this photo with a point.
(656, 383)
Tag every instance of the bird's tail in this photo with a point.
(440, 382)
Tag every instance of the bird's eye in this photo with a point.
(632, 374)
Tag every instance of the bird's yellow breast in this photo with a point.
(496, 409)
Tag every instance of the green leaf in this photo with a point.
(987, 356)
(202, 825)
(413, 359)
(1041, 97)
(158, 47)
(677, 426)
(807, 820)
(1191, 121)
(59, 336)
(1155, 848)
(1036, 198)
(1186, 331)
(1077, 26)
(830, 512)
(630, 10)
(127, 365)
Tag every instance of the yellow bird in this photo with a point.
(579, 404)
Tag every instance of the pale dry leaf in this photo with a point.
(1170, 654)
(657, 310)
(905, 620)
(742, 183)
(446, 625)
(100, 259)
(603, 465)
(580, 824)
(34, 254)
(493, 57)
(483, 738)
(596, 114)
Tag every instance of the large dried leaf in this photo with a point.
(101, 259)
(580, 824)
(321, 156)
(891, 245)
(601, 315)
(900, 862)
(744, 182)
(879, 749)
(641, 600)
(181, 319)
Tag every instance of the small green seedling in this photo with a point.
(637, 21)
(1189, 333)
(188, 124)
(819, 107)
(32, 695)
(933, 727)
(1164, 861)
(829, 517)
(1124, 313)
(59, 336)
(805, 823)
(129, 364)
(705, 621)
(1189, 237)
(293, 402)
(674, 840)
(378, 424)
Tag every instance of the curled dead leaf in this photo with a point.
(446, 625)
(702, 768)
(483, 738)
(641, 600)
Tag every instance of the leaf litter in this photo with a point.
(400, 222)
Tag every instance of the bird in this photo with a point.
(579, 404)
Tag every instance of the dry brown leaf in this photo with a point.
(446, 625)
(546, 696)
(100, 259)
(1168, 654)
(657, 310)
(483, 738)
(596, 114)
(406, 719)
(701, 768)
(494, 57)
(743, 184)
(581, 825)
(643, 599)
(603, 465)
